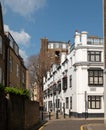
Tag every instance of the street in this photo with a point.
(71, 124)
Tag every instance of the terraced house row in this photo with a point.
(12, 68)
(75, 86)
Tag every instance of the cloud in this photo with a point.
(25, 7)
(20, 37)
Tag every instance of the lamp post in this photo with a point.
(86, 104)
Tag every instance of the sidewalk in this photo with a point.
(93, 127)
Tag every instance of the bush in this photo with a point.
(15, 91)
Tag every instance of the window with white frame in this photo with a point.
(95, 77)
(0, 45)
(94, 102)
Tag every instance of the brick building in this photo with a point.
(16, 68)
(51, 52)
(3, 52)
(12, 68)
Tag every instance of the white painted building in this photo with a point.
(77, 83)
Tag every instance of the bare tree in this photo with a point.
(37, 70)
(32, 69)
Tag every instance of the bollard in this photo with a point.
(64, 115)
(49, 115)
(42, 115)
(64, 112)
(69, 113)
(57, 114)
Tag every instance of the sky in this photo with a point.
(30, 20)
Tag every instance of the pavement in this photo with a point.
(93, 127)
(52, 117)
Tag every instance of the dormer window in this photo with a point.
(0, 45)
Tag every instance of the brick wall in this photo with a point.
(32, 114)
(3, 113)
(16, 113)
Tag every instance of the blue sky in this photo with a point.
(30, 20)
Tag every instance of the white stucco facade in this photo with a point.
(77, 83)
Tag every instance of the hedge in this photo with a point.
(12, 90)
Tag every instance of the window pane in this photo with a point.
(100, 80)
(92, 58)
(100, 73)
(97, 58)
(91, 80)
(95, 73)
(97, 52)
(92, 52)
(97, 98)
(90, 73)
(95, 80)
(93, 104)
(93, 98)
(97, 104)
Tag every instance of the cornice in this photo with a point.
(88, 64)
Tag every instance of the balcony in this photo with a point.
(94, 41)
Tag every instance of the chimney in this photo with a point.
(84, 38)
(77, 38)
